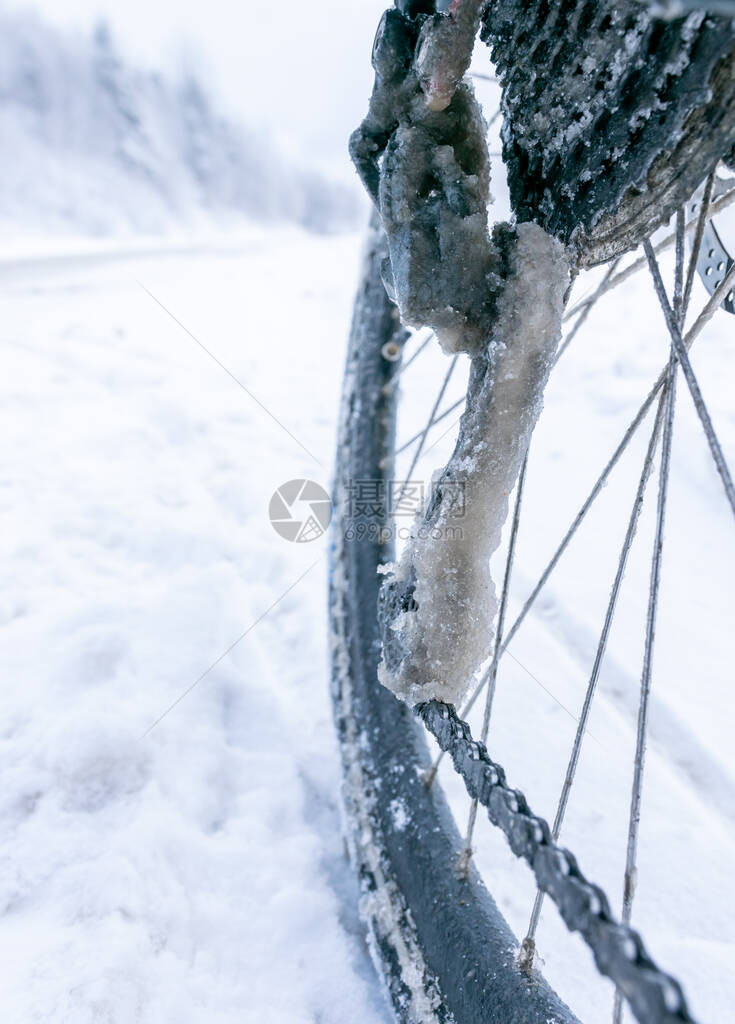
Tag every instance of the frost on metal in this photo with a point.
(636, 113)
(382, 906)
(444, 50)
(439, 603)
(422, 154)
(434, 190)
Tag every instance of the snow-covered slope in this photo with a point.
(93, 145)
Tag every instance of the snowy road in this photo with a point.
(171, 844)
(195, 872)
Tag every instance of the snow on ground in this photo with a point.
(194, 871)
(171, 840)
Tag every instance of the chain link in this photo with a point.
(654, 996)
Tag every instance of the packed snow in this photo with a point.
(197, 870)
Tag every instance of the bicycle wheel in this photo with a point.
(438, 938)
(422, 917)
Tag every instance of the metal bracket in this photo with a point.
(714, 259)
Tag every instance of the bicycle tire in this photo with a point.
(419, 911)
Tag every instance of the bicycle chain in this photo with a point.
(654, 996)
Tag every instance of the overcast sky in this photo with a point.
(302, 67)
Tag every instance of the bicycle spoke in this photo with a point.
(528, 946)
(494, 118)
(679, 265)
(642, 726)
(505, 592)
(441, 437)
(587, 310)
(467, 851)
(674, 322)
(419, 433)
(689, 376)
(697, 244)
(429, 425)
